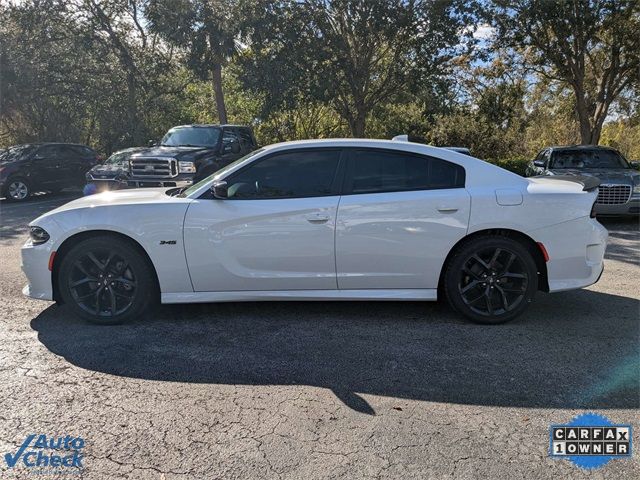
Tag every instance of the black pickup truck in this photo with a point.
(189, 153)
(185, 155)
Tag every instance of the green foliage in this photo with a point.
(116, 73)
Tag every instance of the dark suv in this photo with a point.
(25, 169)
(189, 153)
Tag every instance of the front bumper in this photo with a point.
(35, 265)
(181, 180)
(632, 207)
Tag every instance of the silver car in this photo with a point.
(619, 191)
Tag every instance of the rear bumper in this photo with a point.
(576, 253)
(632, 207)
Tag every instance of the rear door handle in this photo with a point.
(447, 209)
(317, 218)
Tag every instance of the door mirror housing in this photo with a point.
(151, 143)
(538, 163)
(219, 189)
(635, 164)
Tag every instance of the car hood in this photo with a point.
(615, 176)
(133, 197)
(179, 153)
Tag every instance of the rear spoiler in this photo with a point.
(588, 182)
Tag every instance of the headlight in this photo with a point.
(38, 235)
(186, 167)
(636, 189)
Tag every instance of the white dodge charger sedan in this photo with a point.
(323, 220)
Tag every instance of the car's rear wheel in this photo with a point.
(17, 189)
(107, 281)
(491, 279)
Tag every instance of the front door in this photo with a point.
(399, 217)
(275, 231)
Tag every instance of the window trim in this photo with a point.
(336, 183)
(350, 165)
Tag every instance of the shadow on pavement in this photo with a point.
(571, 350)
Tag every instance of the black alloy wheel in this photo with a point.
(491, 279)
(107, 280)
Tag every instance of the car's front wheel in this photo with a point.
(107, 280)
(491, 279)
(17, 189)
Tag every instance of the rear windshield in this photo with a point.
(588, 159)
(192, 137)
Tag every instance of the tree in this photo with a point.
(206, 29)
(591, 46)
(353, 54)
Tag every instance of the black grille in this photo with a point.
(154, 167)
(613, 194)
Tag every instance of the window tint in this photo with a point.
(228, 137)
(245, 138)
(49, 151)
(308, 173)
(378, 171)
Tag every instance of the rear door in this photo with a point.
(399, 216)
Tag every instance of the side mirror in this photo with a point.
(151, 143)
(38, 157)
(219, 189)
(539, 163)
(635, 164)
(235, 147)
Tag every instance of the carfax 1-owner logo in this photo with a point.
(590, 441)
(48, 454)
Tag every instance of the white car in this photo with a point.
(323, 220)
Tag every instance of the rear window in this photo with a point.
(15, 153)
(376, 171)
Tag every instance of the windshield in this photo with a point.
(196, 186)
(588, 159)
(192, 137)
(118, 158)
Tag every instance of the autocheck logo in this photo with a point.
(49, 453)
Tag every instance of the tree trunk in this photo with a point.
(216, 74)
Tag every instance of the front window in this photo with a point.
(296, 174)
(206, 137)
(588, 159)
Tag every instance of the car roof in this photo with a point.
(581, 147)
(217, 125)
(40, 144)
(360, 142)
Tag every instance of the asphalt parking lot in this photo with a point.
(320, 390)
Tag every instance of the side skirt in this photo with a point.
(425, 294)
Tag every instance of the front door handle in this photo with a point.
(317, 218)
(447, 209)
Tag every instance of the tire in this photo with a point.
(491, 279)
(17, 189)
(107, 281)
